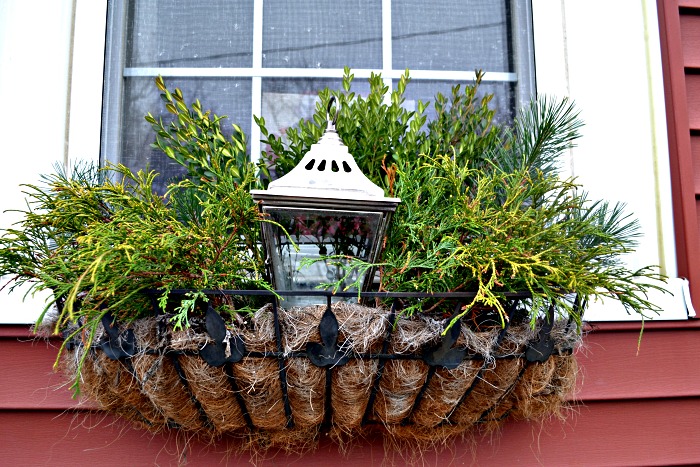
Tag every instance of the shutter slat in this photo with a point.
(690, 33)
(695, 151)
(692, 85)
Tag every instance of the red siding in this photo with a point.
(636, 408)
(31, 362)
(614, 369)
(692, 83)
(695, 151)
(687, 3)
(601, 434)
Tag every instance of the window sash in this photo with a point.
(116, 73)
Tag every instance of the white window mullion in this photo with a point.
(387, 57)
(256, 84)
(441, 75)
(110, 144)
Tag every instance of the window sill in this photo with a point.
(649, 325)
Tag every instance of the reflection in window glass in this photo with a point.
(224, 96)
(450, 35)
(306, 246)
(322, 34)
(286, 101)
(182, 33)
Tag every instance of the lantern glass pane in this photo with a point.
(326, 240)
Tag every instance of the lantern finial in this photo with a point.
(330, 123)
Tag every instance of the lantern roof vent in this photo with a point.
(328, 170)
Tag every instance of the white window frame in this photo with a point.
(561, 70)
(606, 56)
(51, 86)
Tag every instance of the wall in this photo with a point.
(638, 406)
(635, 408)
(35, 58)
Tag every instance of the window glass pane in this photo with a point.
(182, 33)
(322, 34)
(223, 96)
(286, 101)
(503, 100)
(451, 35)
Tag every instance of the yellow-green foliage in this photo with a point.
(524, 230)
(483, 207)
(98, 239)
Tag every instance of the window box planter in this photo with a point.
(286, 376)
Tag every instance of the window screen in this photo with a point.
(270, 57)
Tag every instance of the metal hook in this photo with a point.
(331, 122)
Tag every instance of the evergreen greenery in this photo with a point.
(99, 239)
(483, 209)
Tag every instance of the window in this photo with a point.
(271, 57)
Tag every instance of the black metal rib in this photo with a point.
(130, 368)
(419, 397)
(237, 394)
(548, 327)
(489, 411)
(282, 369)
(431, 373)
(183, 379)
(380, 365)
(477, 378)
(330, 293)
(328, 408)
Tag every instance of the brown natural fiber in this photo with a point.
(402, 379)
(361, 332)
(276, 397)
(305, 382)
(110, 383)
(259, 378)
(211, 387)
(160, 381)
(544, 388)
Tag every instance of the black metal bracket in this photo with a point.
(225, 347)
(117, 344)
(540, 350)
(329, 353)
(443, 354)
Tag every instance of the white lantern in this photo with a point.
(331, 213)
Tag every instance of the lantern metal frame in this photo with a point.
(326, 182)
